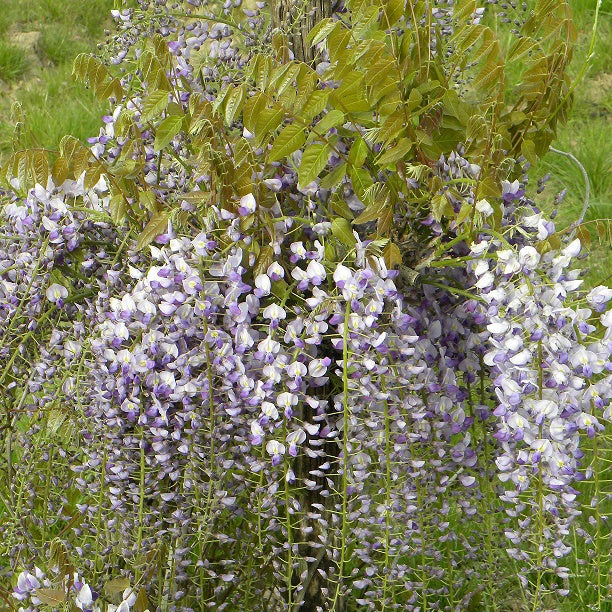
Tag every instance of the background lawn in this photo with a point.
(39, 40)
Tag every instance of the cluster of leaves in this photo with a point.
(390, 92)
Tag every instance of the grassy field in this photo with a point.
(587, 136)
(38, 41)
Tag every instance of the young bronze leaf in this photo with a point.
(92, 176)
(40, 164)
(59, 171)
(51, 597)
(155, 227)
(291, 138)
(392, 255)
(93, 73)
(116, 586)
(142, 601)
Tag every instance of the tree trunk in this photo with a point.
(295, 19)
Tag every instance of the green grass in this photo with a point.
(13, 62)
(59, 47)
(53, 103)
(63, 107)
(587, 136)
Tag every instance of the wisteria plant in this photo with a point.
(295, 333)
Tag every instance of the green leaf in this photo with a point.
(358, 152)
(351, 96)
(529, 151)
(321, 31)
(314, 159)
(55, 420)
(342, 230)
(316, 103)
(291, 138)
(118, 208)
(334, 177)
(339, 205)
(234, 102)
(439, 206)
(372, 212)
(395, 153)
(332, 119)
(166, 131)
(367, 22)
(155, 227)
(267, 121)
(520, 48)
(154, 105)
(361, 180)
(147, 200)
(252, 109)
(393, 9)
(464, 212)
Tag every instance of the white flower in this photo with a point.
(274, 447)
(275, 271)
(56, 292)
(486, 280)
(573, 248)
(481, 267)
(298, 249)
(521, 359)
(247, 204)
(342, 274)
(598, 297)
(84, 598)
(478, 248)
(286, 400)
(269, 409)
(529, 257)
(274, 311)
(509, 261)
(482, 206)
(498, 327)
